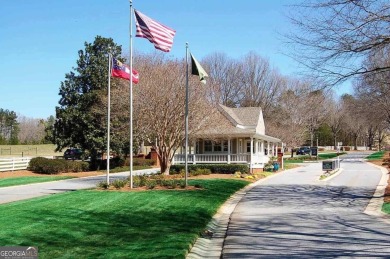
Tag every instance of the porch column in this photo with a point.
(268, 151)
(228, 151)
(273, 149)
(256, 146)
(262, 147)
(250, 167)
(194, 153)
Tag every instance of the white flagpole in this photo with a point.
(131, 95)
(186, 120)
(108, 117)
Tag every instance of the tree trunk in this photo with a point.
(165, 162)
(355, 136)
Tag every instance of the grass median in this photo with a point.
(102, 224)
(30, 179)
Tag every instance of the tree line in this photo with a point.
(18, 129)
(297, 110)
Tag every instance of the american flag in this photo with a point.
(160, 35)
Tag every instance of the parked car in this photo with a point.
(303, 151)
(73, 153)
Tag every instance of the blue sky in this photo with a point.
(39, 39)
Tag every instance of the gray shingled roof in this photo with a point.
(245, 116)
(224, 123)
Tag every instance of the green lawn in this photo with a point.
(301, 159)
(376, 156)
(101, 224)
(30, 179)
(386, 208)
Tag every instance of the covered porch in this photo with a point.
(254, 150)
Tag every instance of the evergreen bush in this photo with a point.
(56, 166)
(214, 168)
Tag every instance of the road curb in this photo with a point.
(339, 170)
(211, 247)
(374, 207)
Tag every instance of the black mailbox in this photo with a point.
(328, 165)
(314, 151)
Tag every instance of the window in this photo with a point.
(214, 146)
(248, 146)
(217, 146)
(225, 146)
(208, 146)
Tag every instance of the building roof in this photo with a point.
(236, 122)
(245, 116)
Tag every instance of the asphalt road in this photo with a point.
(294, 215)
(22, 192)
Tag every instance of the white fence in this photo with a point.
(15, 163)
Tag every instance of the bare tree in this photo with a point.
(289, 119)
(32, 131)
(262, 84)
(159, 105)
(225, 83)
(353, 118)
(333, 36)
(335, 119)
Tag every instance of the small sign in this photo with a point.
(314, 151)
(328, 165)
(339, 143)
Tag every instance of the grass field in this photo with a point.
(101, 224)
(28, 150)
(386, 208)
(376, 156)
(30, 179)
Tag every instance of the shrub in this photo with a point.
(214, 168)
(140, 162)
(101, 164)
(151, 183)
(139, 180)
(169, 183)
(56, 166)
(119, 183)
(200, 171)
(103, 185)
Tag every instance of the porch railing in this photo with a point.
(220, 158)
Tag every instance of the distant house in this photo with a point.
(239, 138)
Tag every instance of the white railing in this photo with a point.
(240, 158)
(220, 158)
(16, 163)
(12, 164)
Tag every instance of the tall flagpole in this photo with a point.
(186, 120)
(108, 116)
(131, 95)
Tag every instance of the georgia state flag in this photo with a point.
(123, 71)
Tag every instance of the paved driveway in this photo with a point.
(16, 193)
(296, 215)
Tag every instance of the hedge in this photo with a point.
(214, 168)
(56, 166)
(141, 162)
